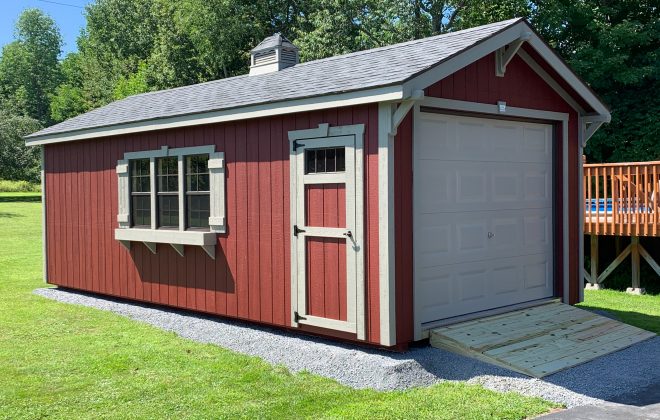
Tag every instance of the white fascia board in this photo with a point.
(387, 93)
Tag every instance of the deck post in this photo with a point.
(594, 258)
(593, 280)
(634, 253)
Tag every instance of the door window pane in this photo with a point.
(327, 160)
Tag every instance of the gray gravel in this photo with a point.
(605, 378)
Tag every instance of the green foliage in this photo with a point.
(66, 361)
(29, 67)
(134, 46)
(614, 46)
(7, 186)
(132, 84)
(17, 161)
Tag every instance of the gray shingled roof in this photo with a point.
(273, 41)
(361, 70)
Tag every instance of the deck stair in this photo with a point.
(538, 341)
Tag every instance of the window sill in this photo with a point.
(176, 238)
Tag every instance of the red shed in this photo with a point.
(368, 196)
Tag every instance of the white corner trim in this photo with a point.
(44, 233)
(581, 142)
(386, 237)
(387, 93)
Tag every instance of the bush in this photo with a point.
(18, 186)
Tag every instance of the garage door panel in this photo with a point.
(449, 186)
(458, 289)
(457, 138)
(482, 214)
(447, 238)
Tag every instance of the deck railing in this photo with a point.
(622, 198)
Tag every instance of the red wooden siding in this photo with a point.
(250, 277)
(325, 206)
(520, 87)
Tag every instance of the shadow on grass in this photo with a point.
(19, 198)
(4, 214)
(637, 319)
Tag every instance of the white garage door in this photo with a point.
(482, 214)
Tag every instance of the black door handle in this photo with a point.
(348, 233)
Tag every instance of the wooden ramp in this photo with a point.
(538, 341)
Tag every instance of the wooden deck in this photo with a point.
(622, 199)
(538, 341)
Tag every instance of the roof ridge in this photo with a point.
(508, 22)
(335, 57)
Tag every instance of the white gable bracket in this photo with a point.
(590, 124)
(504, 55)
(402, 110)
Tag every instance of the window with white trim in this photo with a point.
(174, 196)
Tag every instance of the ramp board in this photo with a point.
(538, 341)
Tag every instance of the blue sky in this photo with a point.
(68, 14)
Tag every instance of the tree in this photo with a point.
(17, 161)
(29, 66)
(342, 26)
(614, 46)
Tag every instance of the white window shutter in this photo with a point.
(217, 186)
(123, 208)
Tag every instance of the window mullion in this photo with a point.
(182, 194)
(152, 194)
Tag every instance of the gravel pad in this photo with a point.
(605, 378)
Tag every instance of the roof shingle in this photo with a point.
(360, 70)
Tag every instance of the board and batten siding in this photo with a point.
(251, 275)
(520, 87)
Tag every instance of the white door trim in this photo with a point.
(331, 136)
(480, 108)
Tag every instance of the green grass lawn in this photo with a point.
(640, 311)
(64, 361)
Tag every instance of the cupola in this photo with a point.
(273, 54)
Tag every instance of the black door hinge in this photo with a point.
(297, 317)
(296, 145)
(297, 230)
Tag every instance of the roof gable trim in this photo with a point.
(491, 44)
